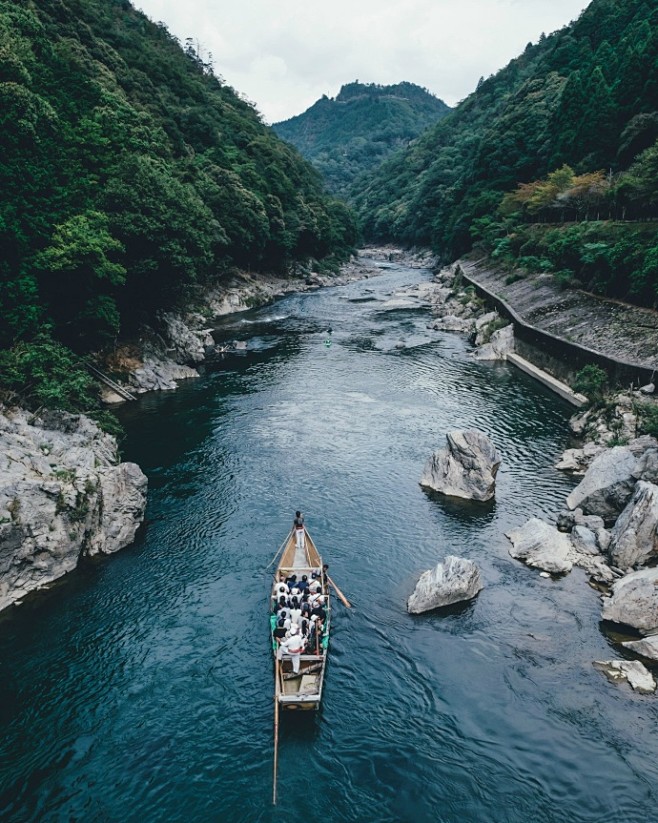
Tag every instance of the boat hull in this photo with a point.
(301, 691)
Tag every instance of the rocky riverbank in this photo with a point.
(609, 526)
(64, 496)
(183, 339)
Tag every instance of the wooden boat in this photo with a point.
(302, 690)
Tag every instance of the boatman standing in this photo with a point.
(298, 525)
(293, 645)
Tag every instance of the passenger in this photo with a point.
(280, 631)
(294, 602)
(314, 598)
(282, 602)
(302, 584)
(298, 526)
(281, 588)
(315, 634)
(315, 585)
(305, 626)
(293, 645)
(291, 581)
(296, 616)
(318, 611)
(306, 609)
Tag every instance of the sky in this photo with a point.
(283, 55)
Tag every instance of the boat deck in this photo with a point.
(301, 691)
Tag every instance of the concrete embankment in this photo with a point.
(562, 331)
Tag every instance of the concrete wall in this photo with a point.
(558, 356)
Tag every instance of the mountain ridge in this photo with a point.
(349, 134)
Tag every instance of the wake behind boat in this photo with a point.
(299, 625)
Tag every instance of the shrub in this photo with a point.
(648, 420)
(591, 381)
(45, 374)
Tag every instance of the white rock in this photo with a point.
(466, 468)
(634, 601)
(542, 546)
(452, 323)
(634, 672)
(584, 540)
(499, 346)
(634, 537)
(647, 647)
(607, 485)
(452, 581)
(485, 319)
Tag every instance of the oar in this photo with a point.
(341, 596)
(276, 727)
(278, 551)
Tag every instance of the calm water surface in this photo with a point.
(140, 689)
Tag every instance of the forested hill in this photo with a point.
(129, 171)
(568, 132)
(353, 132)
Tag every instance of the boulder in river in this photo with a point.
(634, 601)
(634, 537)
(452, 581)
(632, 671)
(607, 485)
(466, 468)
(63, 495)
(542, 546)
(647, 646)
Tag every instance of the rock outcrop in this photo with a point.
(632, 671)
(607, 485)
(634, 601)
(466, 468)
(452, 581)
(501, 343)
(63, 495)
(634, 537)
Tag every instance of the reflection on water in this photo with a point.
(141, 687)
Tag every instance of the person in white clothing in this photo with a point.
(315, 598)
(314, 586)
(292, 646)
(296, 616)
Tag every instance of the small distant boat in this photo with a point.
(302, 690)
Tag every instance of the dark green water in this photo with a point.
(141, 688)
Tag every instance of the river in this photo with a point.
(140, 688)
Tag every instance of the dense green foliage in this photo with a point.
(359, 128)
(129, 171)
(591, 381)
(575, 119)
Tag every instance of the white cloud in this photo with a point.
(285, 55)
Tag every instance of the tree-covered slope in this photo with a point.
(585, 97)
(129, 171)
(355, 131)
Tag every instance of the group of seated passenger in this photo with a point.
(299, 606)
